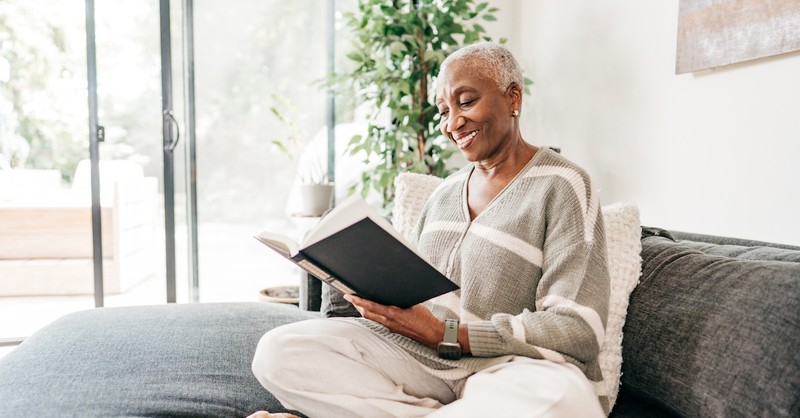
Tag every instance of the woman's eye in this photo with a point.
(443, 114)
(467, 103)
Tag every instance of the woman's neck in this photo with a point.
(508, 162)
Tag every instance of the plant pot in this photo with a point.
(281, 294)
(316, 198)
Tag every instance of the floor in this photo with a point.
(233, 267)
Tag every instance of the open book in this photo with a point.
(356, 250)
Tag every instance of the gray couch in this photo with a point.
(713, 329)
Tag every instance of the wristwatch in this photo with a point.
(449, 349)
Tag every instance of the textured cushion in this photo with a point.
(713, 332)
(167, 360)
(621, 222)
(411, 192)
(623, 244)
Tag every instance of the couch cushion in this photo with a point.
(712, 330)
(167, 360)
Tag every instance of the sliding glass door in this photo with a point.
(247, 104)
(260, 107)
(47, 266)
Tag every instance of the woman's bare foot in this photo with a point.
(265, 414)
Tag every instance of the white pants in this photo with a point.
(336, 368)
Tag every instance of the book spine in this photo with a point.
(324, 276)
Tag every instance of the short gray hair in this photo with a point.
(489, 59)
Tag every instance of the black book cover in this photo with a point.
(377, 266)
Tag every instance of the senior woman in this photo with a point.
(520, 230)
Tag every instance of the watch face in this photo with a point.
(449, 351)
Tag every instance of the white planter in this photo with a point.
(316, 198)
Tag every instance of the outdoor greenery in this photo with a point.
(44, 93)
(244, 56)
(41, 74)
(398, 48)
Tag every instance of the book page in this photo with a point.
(350, 211)
(279, 242)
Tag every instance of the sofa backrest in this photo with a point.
(712, 328)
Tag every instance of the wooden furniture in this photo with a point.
(46, 234)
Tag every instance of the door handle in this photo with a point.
(169, 118)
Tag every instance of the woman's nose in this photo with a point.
(455, 123)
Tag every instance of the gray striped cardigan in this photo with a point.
(532, 269)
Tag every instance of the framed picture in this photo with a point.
(713, 33)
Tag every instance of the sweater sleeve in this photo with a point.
(572, 295)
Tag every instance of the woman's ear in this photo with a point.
(515, 96)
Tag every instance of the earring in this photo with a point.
(515, 113)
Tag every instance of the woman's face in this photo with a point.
(475, 114)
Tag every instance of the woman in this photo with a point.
(520, 230)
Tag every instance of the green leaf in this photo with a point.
(354, 56)
(278, 144)
(470, 38)
(489, 18)
(277, 114)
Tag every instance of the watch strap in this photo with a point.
(450, 331)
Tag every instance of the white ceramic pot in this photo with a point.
(316, 198)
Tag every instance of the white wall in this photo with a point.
(714, 152)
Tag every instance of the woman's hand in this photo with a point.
(416, 322)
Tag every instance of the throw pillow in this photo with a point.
(622, 230)
(623, 244)
(411, 191)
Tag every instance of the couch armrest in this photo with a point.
(310, 293)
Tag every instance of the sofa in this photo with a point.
(707, 326)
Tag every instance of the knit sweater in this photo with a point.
(531, 266)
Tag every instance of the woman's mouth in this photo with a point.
(465, 140)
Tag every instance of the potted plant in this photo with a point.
(399, 46)
(315, 189)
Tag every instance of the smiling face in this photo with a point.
(476, 114)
